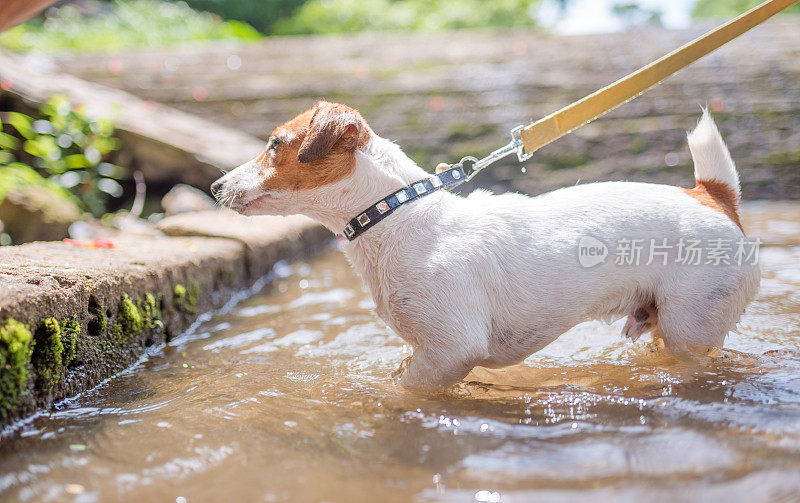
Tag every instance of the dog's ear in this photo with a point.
(331, 124)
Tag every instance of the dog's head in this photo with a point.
(315, 149)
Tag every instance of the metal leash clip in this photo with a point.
(472, 165)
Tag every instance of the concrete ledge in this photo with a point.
(89, 313)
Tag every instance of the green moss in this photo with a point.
(150, 306)
(15, 354)
(193, 294)
(116, 333)
(567, 160)
(638, 146)
(150, 311)
(48, 354)
(70, 330)
(421, 156)
(99, 322)
(786, 158)
(129, 318)
(186, 298)
(414, 121)
(458, 131)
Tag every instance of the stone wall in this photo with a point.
(443, 96)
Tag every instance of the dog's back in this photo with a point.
(673, 257)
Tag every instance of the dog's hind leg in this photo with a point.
(696, 320)
(692, 327)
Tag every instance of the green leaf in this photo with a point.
(77, 161)
(38, 146)
(8, 142)
(22, 123)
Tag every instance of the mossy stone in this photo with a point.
(70, 331)
(116, 333)
(98, 323)
(186, 298)
(129, 318)
(150, 311)
(47, 354)
(15, 355)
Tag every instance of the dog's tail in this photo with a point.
(712, 161)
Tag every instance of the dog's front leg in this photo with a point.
(435, 369)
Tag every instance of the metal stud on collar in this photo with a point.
(445, 180)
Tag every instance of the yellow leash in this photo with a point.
(528, 139)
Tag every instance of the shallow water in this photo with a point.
(288, 397)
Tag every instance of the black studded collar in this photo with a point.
(447, 180)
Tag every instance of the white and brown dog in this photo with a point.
(490, 279)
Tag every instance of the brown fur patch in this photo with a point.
(719, 196)
(316, 148)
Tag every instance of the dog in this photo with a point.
(487, 280)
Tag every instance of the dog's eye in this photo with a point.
(274, 141)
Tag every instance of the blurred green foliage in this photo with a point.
(92, 25)
(347, 16)
(122, 24)
(66, 148)
(16, 174)
(634, 15)
(730, 8)
(261, 14)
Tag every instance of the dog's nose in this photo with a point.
(216, 188)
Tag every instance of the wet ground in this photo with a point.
(287, 396)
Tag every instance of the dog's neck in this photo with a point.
(381, 168)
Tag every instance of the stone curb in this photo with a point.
(71, 317)
(165, 144)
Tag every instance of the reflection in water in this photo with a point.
(288, 396)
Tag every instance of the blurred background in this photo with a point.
(107, 106)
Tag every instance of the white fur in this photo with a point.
(712, 161)
(490, 279)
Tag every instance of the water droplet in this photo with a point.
(234, 62)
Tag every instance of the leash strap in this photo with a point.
(557, 124)
(447, 179)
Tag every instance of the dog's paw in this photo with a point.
(402, 368)
(657, 345)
